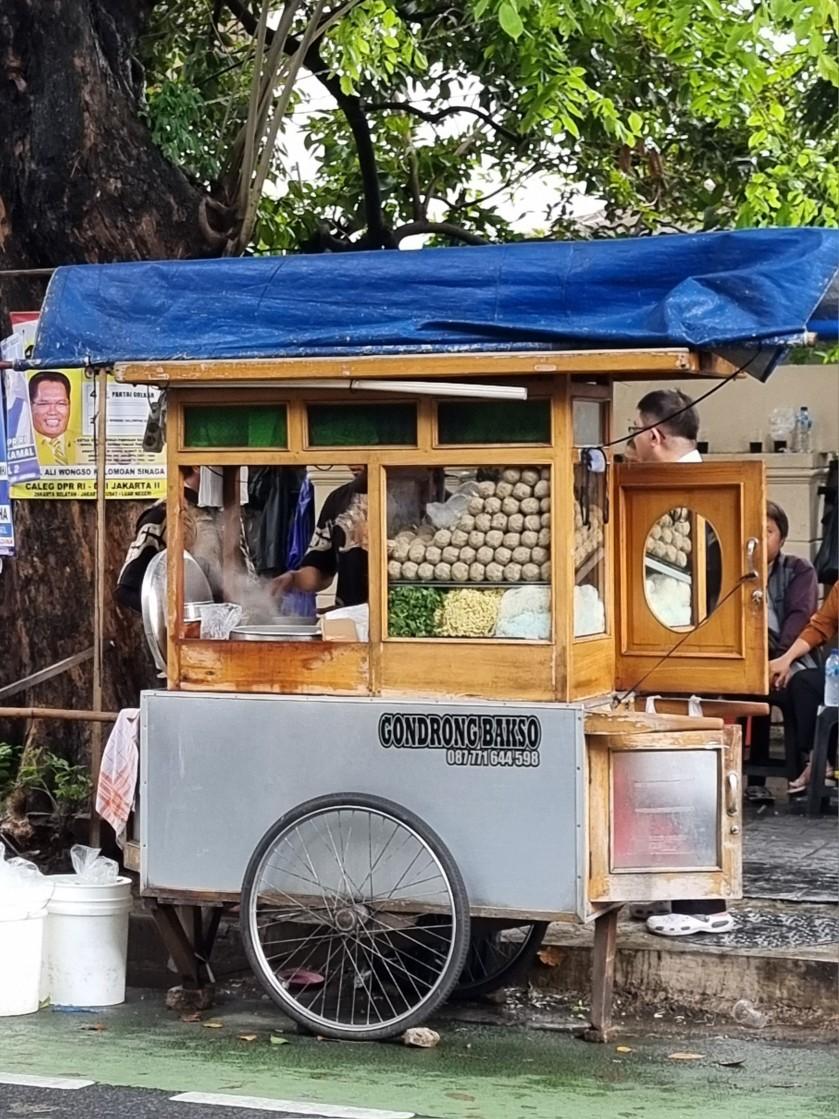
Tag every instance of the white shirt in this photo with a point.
(691, 456)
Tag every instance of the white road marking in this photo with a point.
(67, 1083)
(296, 1107)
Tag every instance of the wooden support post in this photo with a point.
(603, 975)
(232, 532)
(99, 590)
(68, 714)
(176, 942)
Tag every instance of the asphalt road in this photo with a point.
(104, 1101)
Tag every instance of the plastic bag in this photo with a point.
(219, 619)
(22, 886)
(91, 866)
(445, 514)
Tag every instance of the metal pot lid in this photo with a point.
(153, 600)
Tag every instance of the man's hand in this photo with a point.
(282, 585)
(779, 672)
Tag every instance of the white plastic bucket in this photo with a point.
(21, 944)
(86, 942)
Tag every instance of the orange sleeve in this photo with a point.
(824, 624)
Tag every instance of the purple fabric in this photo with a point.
(800, 600)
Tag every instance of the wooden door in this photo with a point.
(691, 573)
(664, 816)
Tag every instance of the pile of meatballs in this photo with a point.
(503, 537)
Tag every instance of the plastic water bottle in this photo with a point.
(803, 428)
(831, 680)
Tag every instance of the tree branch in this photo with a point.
(377, 235)
(441, 114)
(444, 228)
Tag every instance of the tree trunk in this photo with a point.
(80, 181)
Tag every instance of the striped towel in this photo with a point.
(118, 772)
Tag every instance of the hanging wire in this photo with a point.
(747, 578)
(679, 411)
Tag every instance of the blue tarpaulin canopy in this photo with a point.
(724, 292)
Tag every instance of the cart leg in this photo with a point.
(189, 955)
(603, 975)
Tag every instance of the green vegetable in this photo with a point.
(411, 611)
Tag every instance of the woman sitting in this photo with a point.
(791, 597)
(805, 688)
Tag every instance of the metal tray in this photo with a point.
(276, 633)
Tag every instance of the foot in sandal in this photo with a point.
(686, 924)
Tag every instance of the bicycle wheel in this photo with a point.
(355, 917)
(497, 957)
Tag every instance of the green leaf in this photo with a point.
(636, 123)
(510, 20)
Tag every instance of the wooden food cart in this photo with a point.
(400, 802)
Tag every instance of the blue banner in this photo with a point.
(7, 528)
(20, 450)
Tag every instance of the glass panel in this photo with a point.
(494, 421)
(664, 809)
(311, 519)
(589, 423)
(682, 569)
(362, 425)
(469, 552)
(225, 425)
(589, 552)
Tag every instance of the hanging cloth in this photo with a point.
(300, 534)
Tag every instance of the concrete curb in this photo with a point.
(798, 986)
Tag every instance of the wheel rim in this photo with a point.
(352, 919)
(494, 954)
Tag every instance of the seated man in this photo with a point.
(791, 597)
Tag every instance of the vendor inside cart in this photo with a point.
(338, 547)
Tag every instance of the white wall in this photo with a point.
(738, 413)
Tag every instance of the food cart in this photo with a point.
(400, 797)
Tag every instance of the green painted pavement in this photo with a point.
(476, 1073)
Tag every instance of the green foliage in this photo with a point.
(412, 610)
(67, 786)
(675, 113)
(9, 759)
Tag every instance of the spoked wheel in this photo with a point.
(498, 955)
(355, 917)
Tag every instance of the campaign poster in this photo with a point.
(21, 455)
(63, 409)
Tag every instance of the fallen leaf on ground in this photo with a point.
(95, 1028)
(212, 1025)
(247, 1037)
(622, 1049)
(196, 1017)
(277, 1040)
(686, 1056)
(420, 1037)
(732, 1064)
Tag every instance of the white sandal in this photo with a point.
(686, 924)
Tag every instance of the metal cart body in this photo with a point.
(503, 801)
